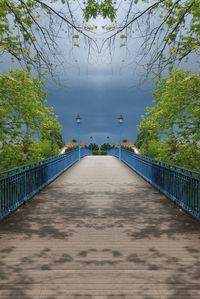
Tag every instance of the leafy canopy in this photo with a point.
(171, 128)
(25, 119)
(174, 35)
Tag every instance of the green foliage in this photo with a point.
(122, 45)
(90, 27)
(157, 149)
(55, 136)
(107, 10)
(105, 147)
(109, 27)
(94, 8)
(76, 36)
(99, 152)
(93, 146)
(180, 20)
(20, 21)
(15, 28)
(11, 156)
(142, 137)
(170, 130)
(22, 107)
(42, 149)
(188, 156)
(25, 122)
(76, 45)
(91, 10)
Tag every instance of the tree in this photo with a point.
(23, 110)
(169, 29)
(54, 135)
(11, 156)
(41, 149)
(24, 118)
(142, 137)
(105, 147)
(30, 40)
(173, 123)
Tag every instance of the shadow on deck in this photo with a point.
(99, 232)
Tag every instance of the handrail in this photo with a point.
(183, 188)
(166, 164)
(172, 166)
(29, 165)
(19, 184)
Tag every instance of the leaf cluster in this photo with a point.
(25, 119)
(16, 35)
(104, 8)
(173, 123)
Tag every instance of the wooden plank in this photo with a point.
(99, 232)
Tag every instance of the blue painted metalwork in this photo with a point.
(179, 184)
(19, 184)
(120, 141)
(79, 142)
(78, 121)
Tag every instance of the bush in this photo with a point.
(11, 156)
(188, 156)
(99, 152)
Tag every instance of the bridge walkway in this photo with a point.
(99, 232)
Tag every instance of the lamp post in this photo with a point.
(120, 121)
(91, 139)
(108, 138)
(78, 121)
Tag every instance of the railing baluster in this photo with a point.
(179, 184)
(20, 184)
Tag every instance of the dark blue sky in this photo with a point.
(99, 104)
(99, 89)
(99, 97)
(99, 86)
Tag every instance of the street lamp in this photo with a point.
(108, 138)
(120, 121)
(78, 121)
(91, 139)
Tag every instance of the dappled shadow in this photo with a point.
(34, 230)
(152, 215)
(99, 257)
(133, 230)
(48, 219)
(147, 216)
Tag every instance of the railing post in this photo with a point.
(120, 140)
(19, 184)
(120, 121)
(79, 145)
(179, 184)
(78, 121)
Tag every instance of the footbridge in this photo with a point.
(99, 228)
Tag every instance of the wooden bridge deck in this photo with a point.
(99, 232)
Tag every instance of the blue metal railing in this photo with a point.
(21, 183)
(179, 184)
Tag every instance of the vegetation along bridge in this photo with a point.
(100, 231)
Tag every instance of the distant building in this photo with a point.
(127, 145)
(71, 145)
